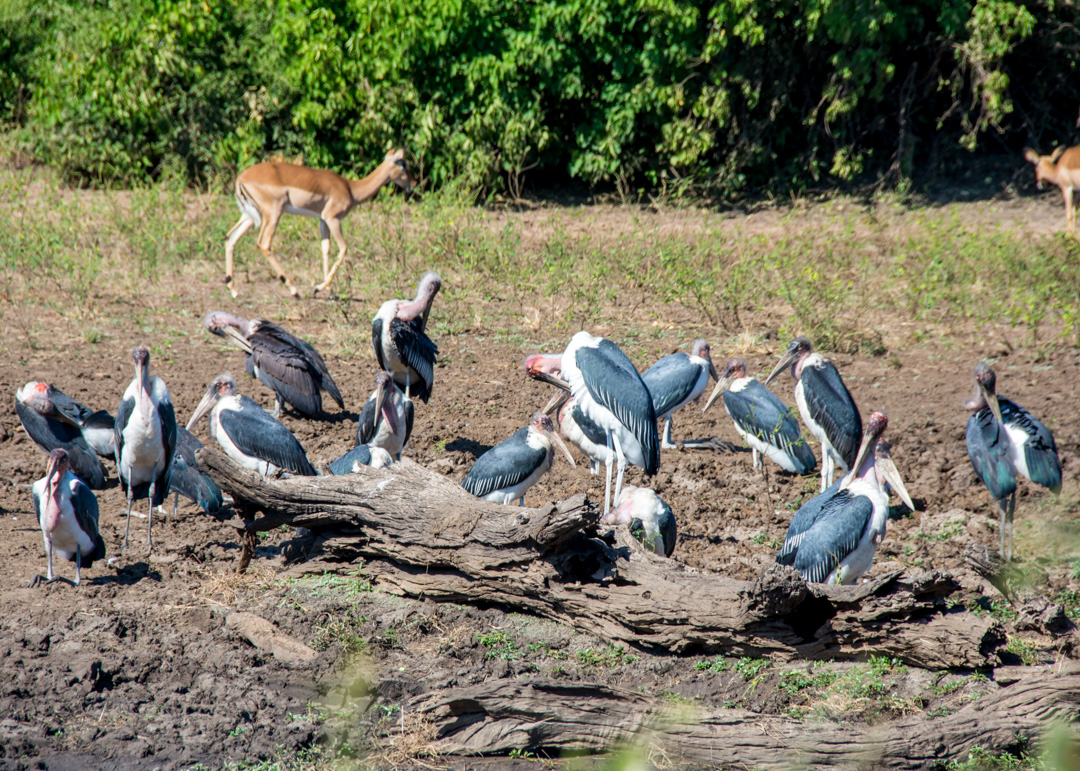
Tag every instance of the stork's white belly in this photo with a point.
(596, 453)
(775, 454)
(144, 448)
(1018, 437)
(67, 537)
(515, 492)
(249, 462)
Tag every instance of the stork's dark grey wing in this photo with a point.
(307, 350)
(668, 529)
(670, 382)
(508, 463)
(589, 427)
(835, 535)
(613, 383)
(97, 430)
(257, 434)
(376, 342)
(70, 410)
(830, 406)
(344, 465)
(168, 438)
(37, 504)
(417, 351)
(123, 415)
(85, 504)
(804, 519)
(50, 434)
(285, 368)
(988, 448)
(760, 413)
(1040, 451)
(365, 428)
(188, 479)
(409, 415)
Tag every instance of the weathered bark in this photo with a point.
(422, 535)
(502, 715)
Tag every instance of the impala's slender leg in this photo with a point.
(266, 238)
(324, 236)
(334, 226)
(241, 227)
(1070, 212)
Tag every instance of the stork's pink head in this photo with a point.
(217, 321)
(59, 464)
(985, 391)
(539, 364)
(701, 348)
(877, 423)
(797, 350)
(734, 368)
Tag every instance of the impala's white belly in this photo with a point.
(302, 212)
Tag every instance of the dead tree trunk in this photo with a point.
(422, 535)
(502, 715)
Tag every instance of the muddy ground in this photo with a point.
(143, 666)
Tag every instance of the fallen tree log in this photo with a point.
(543, 715)
(421, 535)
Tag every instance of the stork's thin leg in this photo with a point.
(150, 520)
(521, 501)
(175, 503)
(1012, 523)
(277, 406)
(607, 487)
(78, 566)
(127, 523)
(622, 467)
(49, 574)
(1004, 504)
(667, 444)
(757, 460)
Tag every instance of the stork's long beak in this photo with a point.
(992, 403)
(864, 449)
(562, 446)
(889, 473)
(232, 335)
(555, 380)
(65, 409)
(712, 371)
(785, 361)
(209, 399)
(556, 401)
(380, 397)
(721, 386)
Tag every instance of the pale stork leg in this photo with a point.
(150, 520)
(757, 459)
(78, 566)
(622, 467)
(1008, 508)
(667, 444)
(49, 574)
(277, 406)
(127, 523)
(607, 487)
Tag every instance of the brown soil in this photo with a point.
(137, 667)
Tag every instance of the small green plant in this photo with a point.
(714, 665)
(798, 680)
(1022, 649)
(762, 539)
(612, 656)
(499, 645)
(750, 669)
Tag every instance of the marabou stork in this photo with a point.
(187, 478)
(611, 393)
(1003, 440)
(762, 420)
(285, 364)
(825, 404)
(580, 430)
(400, 341)
(67, 512)
(833, 536)
(677, 379)
(507, 470)
(249, 434)
(649, 517)
(145, 437)
(51, 420)
(361, 455)
(387, 418)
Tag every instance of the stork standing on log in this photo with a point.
(609, 390)
(249, 434)
(401, 344)
(285, 364)
(145, 436)
(387, 418)
(833, 536)
(67, 512)
(676, 380)
(51, 420)
(506, 471)
(1003, 440)
(825, 404)
(764, 422)
(649, 518)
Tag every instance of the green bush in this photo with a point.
(652, 95)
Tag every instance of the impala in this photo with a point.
(267, 190)
(1062, 168)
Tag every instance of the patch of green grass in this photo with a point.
(339, 630)
(763, 539)
(612, 656)
(1022, 649)
(997, 607)
(1070, 600)
(714, 665)
(949, 531)
(499, 645)
(751, 669)
(798, 680)
(350, 586)
(979, 759)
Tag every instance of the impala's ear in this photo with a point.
(395, 155)
(1030, 155)
(1056, 154)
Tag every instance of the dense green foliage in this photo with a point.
(649, 94)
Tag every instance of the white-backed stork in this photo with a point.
(649, 518)
(1003, 440)
(51, 420)
(285, 364)
(387, 418)
(361, 455)
(764, 422)
(507, 470)
(401, 344)
(825, 404)
(67, 512)
(249, 434)
(145, 436)
(833, 537)
(677, 379)
(188, 480)
(609, 390)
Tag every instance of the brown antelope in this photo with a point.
(267, 190)
(1062, 168)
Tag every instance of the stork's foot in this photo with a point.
(39, 579)
(666, 445)
(712, 443)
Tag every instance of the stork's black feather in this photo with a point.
(830, 406)
(256, 434)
